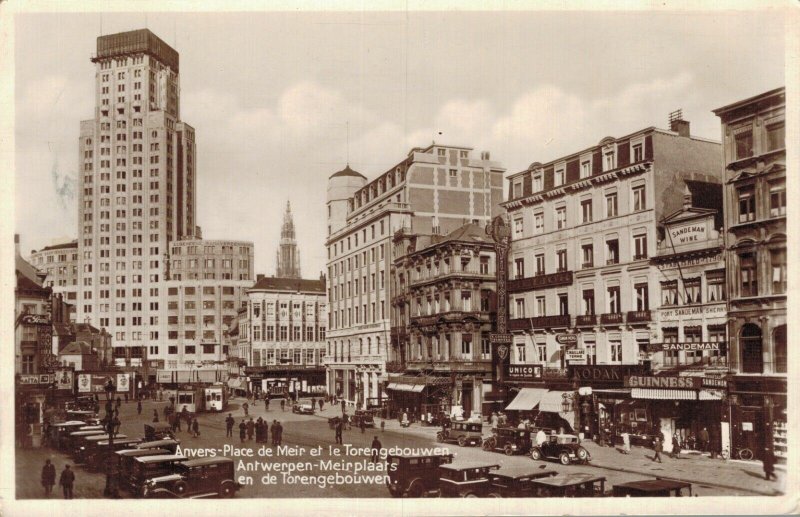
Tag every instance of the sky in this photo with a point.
(280, 101)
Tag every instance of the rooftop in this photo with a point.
(136, 42)
(271, 283)
(347, 171)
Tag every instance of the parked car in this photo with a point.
(652, 488)
(84, 447)
(303, 409)
(465, 479)
(577, 484)
(510, 440)
(97, 453)
(75, 439)
(463, 433)
(57, 433)
(126, 458)
(149, 467)
(414, 476)
(193, 478)
(565, 448)
(156, 431)
(170, 444)
(516, 481)
(363, 416)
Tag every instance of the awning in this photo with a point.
(710, 394)
(526, 399)
(235, 383)
(415, 388)
(658, 394)
(553, 401)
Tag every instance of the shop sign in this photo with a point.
(524, 372)
(606, 373)
(36, 319)
(706, 310)
(42, 378)
(91, 383)
(123, 382)
(717, 346)
(64, 379)
(747, 426)
(638, 381)
(690, 261)
(688, 233)
(500, 338)
(567, 339)
(576, 356)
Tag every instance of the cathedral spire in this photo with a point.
(288, 256)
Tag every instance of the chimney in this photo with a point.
(259, 277)
(677, 124)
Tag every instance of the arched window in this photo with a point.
(751, 347)
(360, 346)
(377, 345)
(779, 349)
(349, 350)
(369, 346)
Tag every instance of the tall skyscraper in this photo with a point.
(137, 191)
(288, 263)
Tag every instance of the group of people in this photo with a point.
(66, 480)
(498, 420)
(260, 429)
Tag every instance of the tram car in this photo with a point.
(216, 398)
(191, 398)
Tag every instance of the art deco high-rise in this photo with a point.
(137, 187)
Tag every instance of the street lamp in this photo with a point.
(111, 486)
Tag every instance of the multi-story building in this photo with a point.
(136, 188)
(584, 227)
(287, 255)
(60, 263)
(286, 322)
(443, 307)
(434, 190)
(753, 133)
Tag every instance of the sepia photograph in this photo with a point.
(398, 253)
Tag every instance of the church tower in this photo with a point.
(288, 263)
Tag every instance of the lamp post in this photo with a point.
(111, 485)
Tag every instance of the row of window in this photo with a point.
(774, 138)
(346, 318)
(286, 333)
(354, 238)
(291, 356)
(748, 205)
(210, 250)
(355, 288)
(440, 348)
(338, 350)
(191, 291)
(749, 272)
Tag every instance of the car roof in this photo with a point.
(123, 441)
(207, 461)
(162, 457)
(655, 485)
(142, 452)
(158, 443)
(465, 465)
(508, 471)
(574, 478)
(100, 437)
(69, 422)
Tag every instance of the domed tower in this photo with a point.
(342, 186)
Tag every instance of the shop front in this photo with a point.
(758, 416)
(543, 396)
(424, 398)
(284, 380)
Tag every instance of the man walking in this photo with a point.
(245, 406)
(242, 431)
(229, 426)
(769, 464)
(250, 428)
(704, 440)
(48, 477)
(274, 432)
(139, 407)
(376, 450)
(658, 447)
(155, 416)
(283, 404)
(279, 430)
(266, 402)
(195, 428)
(320, 404)
(67, 480)
(339, 426)
(343, 405)
(362, 425)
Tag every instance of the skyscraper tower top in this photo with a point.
(288, 263)
(141, 41)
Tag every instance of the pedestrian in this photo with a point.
(242, 431)
(67, 480)
(541, 437)
(250, 428)
(704, 440)
(274, 431)
(229, 426)
(769, 464)
(195, 428)
(245, 406)
(658, 447)
(119, 402)
(116, 423)
(155, 416)
(383, 424)
(259, 430)
(626, 442)
(283, 404)
(339, 426)
(362, 425)
(138, 407)
(265, 431)
(676, 447)
(376, 449)
(126, 397)
(177, 421)
(48, 477)
(343, 405)
(279, 430)
(320, 404)
(266, 402)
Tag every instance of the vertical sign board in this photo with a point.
(500, 233)
(123, 382)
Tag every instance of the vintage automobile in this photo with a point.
(465, 479)
(170, 444)
(515, 481)
(84, 447)
(72, 439)
(362, 416)
(510, 440)
(562, 447)
(58, 432)
(463, 433)
(414, 476)
(126, 457)
(97, 453)
(85, 402)
(652, 488)
(303, 409)
(577, 484)
(149, 467)
(156, 431)
(87, 416)
(197, 477)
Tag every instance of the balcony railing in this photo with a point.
(455, 315)
(586, 320)
(444, 271)
(539, 281)
(454, 364)
(395, 366)
(638, 316)
(612, 318)
(539, 322)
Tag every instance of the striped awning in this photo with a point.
(526, 399)
(553, 401)
(415, 388)
(710, 394)
(659, 394)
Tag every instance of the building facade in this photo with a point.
(136, 189)
(288, 256)
(753, 132)
(286, 324)
(60, 264)
(584, 228)
(443, 308)
(434, 190)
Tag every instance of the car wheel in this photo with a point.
(180, 488)
(495, 495)
(469, 494)
(536, 454)
(439, 437)
(488, 445)
(226, 489)
(583, 454)
(462, 442)
(392, 491)
(564, 458)
(509, 450)
(415, 489)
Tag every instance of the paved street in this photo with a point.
(709, 477)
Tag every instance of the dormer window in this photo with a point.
(517, 189)
(559, 177)
(538, 185)
(609, 160)
(441, 153)
(586, 169)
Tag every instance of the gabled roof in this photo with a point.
(271, 283)
(77, 348)
(685, 214)
(468, 233)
